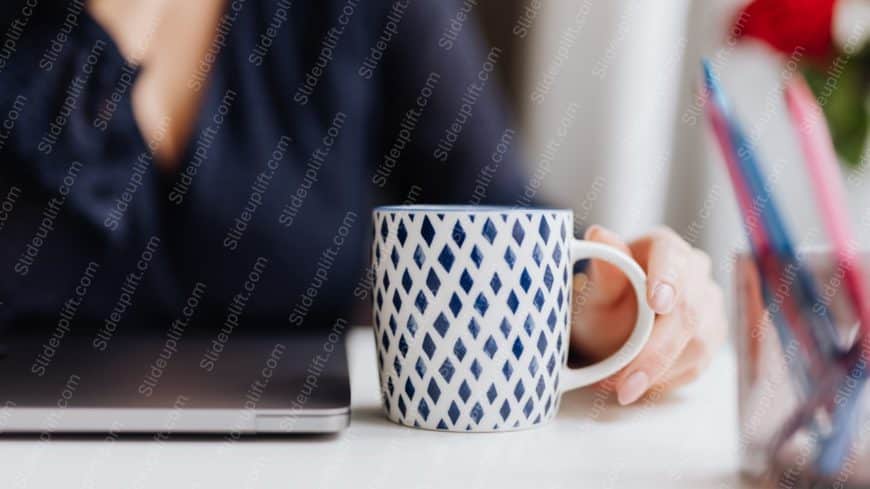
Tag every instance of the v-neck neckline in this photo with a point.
(207, 94)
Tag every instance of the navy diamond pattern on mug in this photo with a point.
(488, 304)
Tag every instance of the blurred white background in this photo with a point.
(639, 151)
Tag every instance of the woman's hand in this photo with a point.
(690, 320)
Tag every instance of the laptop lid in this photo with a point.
(193, 384)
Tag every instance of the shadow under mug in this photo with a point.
(472, 310)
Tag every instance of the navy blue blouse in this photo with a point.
(312, 113)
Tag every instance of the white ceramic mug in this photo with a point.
(472, 310)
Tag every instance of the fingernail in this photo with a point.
(633, 387)
(662, 300)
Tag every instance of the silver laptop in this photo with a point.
(247, 385)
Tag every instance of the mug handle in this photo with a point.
(580, 377)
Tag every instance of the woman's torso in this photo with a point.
(268, 208)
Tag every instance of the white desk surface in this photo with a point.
(688, 439)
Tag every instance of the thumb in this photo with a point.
(608, 283)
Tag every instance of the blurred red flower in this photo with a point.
(788, 25)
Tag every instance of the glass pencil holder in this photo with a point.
(830, 447)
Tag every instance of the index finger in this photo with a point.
(666, 267)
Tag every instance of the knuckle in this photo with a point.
(660, 355)
(693, 373)
(689, 318)
(697, 351)
(670, 276)
(671, 237)
(669, 353)
(669, 379)
(664, 232)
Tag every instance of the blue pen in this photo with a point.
(823, 329)
(759, 243)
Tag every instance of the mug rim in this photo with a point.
(467, 208)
